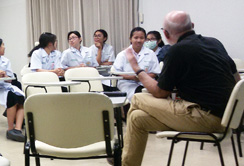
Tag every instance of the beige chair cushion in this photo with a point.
(85, 151)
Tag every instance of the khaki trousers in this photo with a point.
(148, 113)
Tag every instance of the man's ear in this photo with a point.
(192, 25)
(166, 34)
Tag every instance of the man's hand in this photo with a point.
(132, 60)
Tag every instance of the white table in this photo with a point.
(123, 73)
(49, 84)
(6, 78)
(88, 79)
(240, 70)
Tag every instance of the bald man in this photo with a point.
(204, 75)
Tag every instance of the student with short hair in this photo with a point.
(77, 55)
(104, 52)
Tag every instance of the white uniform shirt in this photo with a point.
(146, 59)
(107, 52)
(73, 57)
(5, 87)
(41, 60)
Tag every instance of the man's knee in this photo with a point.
(137, 117)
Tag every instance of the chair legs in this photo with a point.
(117, 155)
(37, 161)
(202, 144)
(238, 135)
(171, 152)
(220, 153)
(186, 148)
(27, 155)
(234, 150)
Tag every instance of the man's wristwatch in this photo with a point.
(139, 71)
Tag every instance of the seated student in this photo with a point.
(163, 52)
(45, 57)
(77, 55)
(104, 53)
(12, 98)
(144, 56)
(154, 41)
(204, 75)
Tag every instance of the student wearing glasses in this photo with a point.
(104, 52)
(77, 55)
(45, 57)
(154, 42)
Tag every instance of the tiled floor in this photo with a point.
(156, 153)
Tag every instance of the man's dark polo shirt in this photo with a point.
(201, 70)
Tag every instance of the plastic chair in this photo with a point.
(40, 77)
(84, 86)
(25, 70)
(4, 161)
(70, 126)
(231, 120)
(239, 63)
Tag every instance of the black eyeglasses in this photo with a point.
(164, 30)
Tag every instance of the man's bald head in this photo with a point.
(177, 22)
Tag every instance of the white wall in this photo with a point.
(222, 19)
(13, 31)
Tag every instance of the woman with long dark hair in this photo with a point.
(45, 57)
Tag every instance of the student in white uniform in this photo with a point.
(46, 58)
(12, 98)
(77, 55)
(146, 59)
(104, 52)
(154, 41)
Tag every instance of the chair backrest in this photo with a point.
(161, 65)
(113, 82)
(235, 105)
(239, 63)
(25, 70)
(69, 120)
(40, 77)
(84, 72)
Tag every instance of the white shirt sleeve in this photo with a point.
(64, 59)
(58, 59)
(111, 54)
(36, 61)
